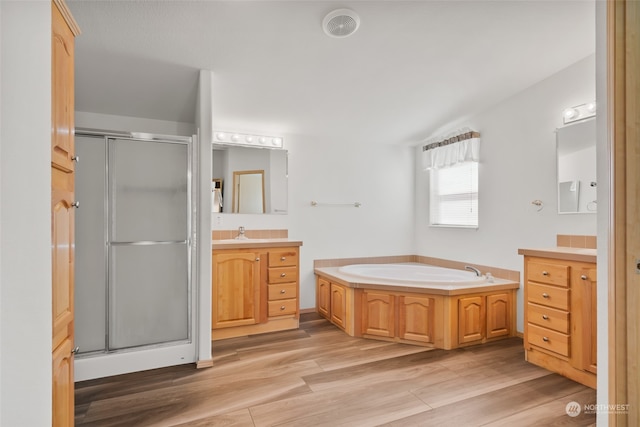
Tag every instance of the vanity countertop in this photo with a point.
(562, 252)
(253, 243)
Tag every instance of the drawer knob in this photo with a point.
(545, 295)
(257, 259)
(282, 275)
(545, 273)
(282, 307)
(545, 339)
(282, 258)
(545, 317)
(283, 291)
(584, 277)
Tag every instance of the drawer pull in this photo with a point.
(282, 307)
(257, 259)
(545, 339)
(283, 291)
(584, 277)
(545, 317)
(545, 295)
(282, 258)
(282, 275)
(545, 273)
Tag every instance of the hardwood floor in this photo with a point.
(319, 376)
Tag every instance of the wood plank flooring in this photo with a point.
(319, 376)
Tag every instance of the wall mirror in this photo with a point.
(576, 167)
(258, 176)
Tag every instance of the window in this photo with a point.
(453, 196)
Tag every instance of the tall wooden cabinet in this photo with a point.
(560, 317)
(63, 31)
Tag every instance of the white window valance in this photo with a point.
(460, 147)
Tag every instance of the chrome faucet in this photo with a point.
(470, 268)
(241, 235)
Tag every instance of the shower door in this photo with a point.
(148, 242)
(133, 275)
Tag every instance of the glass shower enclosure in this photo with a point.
(134, 225)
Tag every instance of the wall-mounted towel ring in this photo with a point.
(539, 205)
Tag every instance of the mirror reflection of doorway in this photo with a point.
(248, 192)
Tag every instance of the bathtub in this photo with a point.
(421, 275)
(417, 304)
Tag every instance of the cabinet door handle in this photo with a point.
(76, 350)
(282, 258)
(258, 259)
(545, 317)
(545, 273)
(283, 291)
(75, 204)
(282, 275)
(545, 295)
(282, 307)
(545, 339)
(584, 277)
(75, 158)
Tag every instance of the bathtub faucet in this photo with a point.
(468, 267)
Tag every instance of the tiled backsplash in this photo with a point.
(496, 272)
(251, 234)
(576, 241)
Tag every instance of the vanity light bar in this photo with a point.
(247, 140)
(580, 112)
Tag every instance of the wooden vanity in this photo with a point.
(255, 287)
(560, 319)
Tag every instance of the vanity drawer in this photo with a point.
(548, 317)
(283, 258)
(552, 274)
(548, 339)
(284, 291)
(283, 274)
(282, 307)
(551, 296)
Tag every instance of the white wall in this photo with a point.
(25, 205)
(335, 171)
(132, 124)
(517, 166)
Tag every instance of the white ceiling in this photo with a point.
(411, 68)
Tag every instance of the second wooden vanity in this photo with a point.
(255, 287)
(560, 319)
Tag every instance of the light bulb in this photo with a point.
(221, 136)
(262, 140)
(591, 107)
(235, 137)
(249, 139)
(570, 113)
(277, 141)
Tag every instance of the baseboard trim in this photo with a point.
(207, 363)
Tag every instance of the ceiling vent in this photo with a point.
(341, 23)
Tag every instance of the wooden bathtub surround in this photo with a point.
(255, 288)
(560, 313)
(427, 317)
